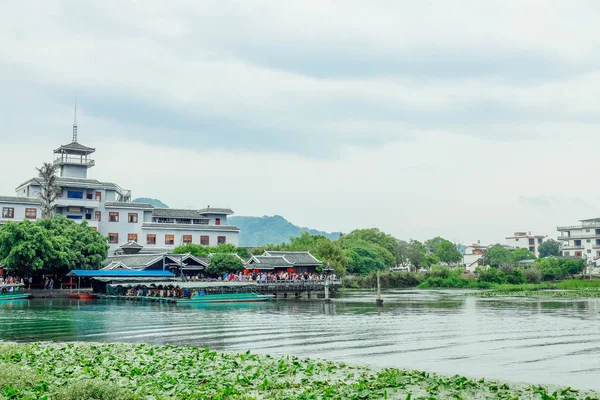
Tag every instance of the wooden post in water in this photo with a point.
(379, 301)
(326, 286)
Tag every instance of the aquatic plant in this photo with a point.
(142, 371)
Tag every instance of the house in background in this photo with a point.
(581, 240)
(276, 261)
(473, 256)
(108, 208)
(525, 240)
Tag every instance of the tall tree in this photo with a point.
(448, 253)
(521, 254)
(50, 189)
(496, 256)
(549, 248)
(416, 253)
(222, 262)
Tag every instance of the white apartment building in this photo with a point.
(108, 209)
(473, 256)
(525, 240)
(582, 240)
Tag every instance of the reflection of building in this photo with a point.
(582, 240)
(473, 256)
(525, 240)
(107, 207)
(299, 261)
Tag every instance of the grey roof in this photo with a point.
(16, 199)
(121, 204)
(131, 245)
(74, 146)
(132, 260)
(191, 227)
(296, 257)
(76, 182)
(211, 210)
(177, 213)
(270, 262)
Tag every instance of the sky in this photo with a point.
(464, 119)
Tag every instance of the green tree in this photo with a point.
(432, 245)
(521, 254)
(402, 253)
(203, 251)
(364, 259)
(549, 248)
(374, 236)
(447, 252)
(416, 253)
(50, 189)
(497, 255)
(223, 262)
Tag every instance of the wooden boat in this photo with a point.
(87, 296)
(225, 298)
(5, 294)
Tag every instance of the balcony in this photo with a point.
(588, 225)
(74, 160)
(574, 247)
(587, 235)
(69, 202)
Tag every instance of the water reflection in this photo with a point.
(520, 339)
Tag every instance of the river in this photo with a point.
(519, 340)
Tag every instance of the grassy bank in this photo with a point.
(123, 371)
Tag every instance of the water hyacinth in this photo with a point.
(143, 371)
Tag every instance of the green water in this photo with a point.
(522, 340)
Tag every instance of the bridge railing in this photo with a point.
(301, 283)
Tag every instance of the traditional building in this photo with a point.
(108, 208)
(299, 261)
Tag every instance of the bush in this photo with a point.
(491, 275)
(92, 389)
(533, 275)
(388, 280)
(515, 277)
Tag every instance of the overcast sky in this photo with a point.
(465, 119)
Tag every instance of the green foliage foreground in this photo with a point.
(142, 371)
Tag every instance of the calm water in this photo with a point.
(523, 340)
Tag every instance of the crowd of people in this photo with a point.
(173, 292)
(258, 276)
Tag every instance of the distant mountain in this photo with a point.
(153, 202)
(258, 231)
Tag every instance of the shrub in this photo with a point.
(533, 275)
(92, 389)
(515, 277)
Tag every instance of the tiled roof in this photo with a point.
(296, 257)
(16, 199)
(192, 227)
(75, 182)
(270, 262)
(212, 210)
(74, 146)
(132, 244)
(133, 260)
(121, 204)
(177, 213)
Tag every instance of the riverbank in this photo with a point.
(136, 371)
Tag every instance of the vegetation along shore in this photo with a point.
(142, 371)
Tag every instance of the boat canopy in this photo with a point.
(7, 285)
(120, 273)
(186, 285)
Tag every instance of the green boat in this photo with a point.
(225, 298)
(10, 291)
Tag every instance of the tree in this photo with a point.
(416, 253)
(448, 253)
(497, 255)
(432, 245)
(521, 254)
(402, 253)
(223, 262)
(364, 259)
(50, 190)
(549, 248)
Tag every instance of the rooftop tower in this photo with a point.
(74, 159)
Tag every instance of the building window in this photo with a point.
(113, 217)
(577, 243)
(132, 218)
(98, 196)
(587, 230)
(98, 215)
(532, 249)
(204, 241)
(88, 216)
(220, 239)
(567, 253)
(132, 237)
(517, 239)
(217, 221)
(74, 195)
(577, 254)
(540, 240)
(113, 238)
(589, 251)
(597, 253)
(169, 239)
(8, 212)
(588, 241)
(74, 209)
(31, 213)
(531, 242)
(187, 239)
(150, 238)
(89, 196)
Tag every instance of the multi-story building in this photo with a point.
(473, 256)
(525, 240)
(108, 208)
(581, 241)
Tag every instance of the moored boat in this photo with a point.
(10, 291)
(225, 298)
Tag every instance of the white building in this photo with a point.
(525, 240)
(473, 256)
(582, 240)
(108, 209)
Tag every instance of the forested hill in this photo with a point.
(153, 202)
(258, 231)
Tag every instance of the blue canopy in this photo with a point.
(121, 273)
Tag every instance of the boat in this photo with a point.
(225, 298)
(15, 294)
